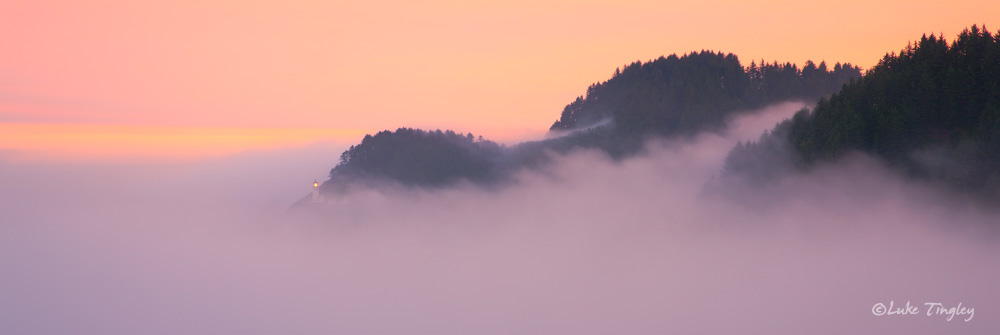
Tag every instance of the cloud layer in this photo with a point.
(586, 246)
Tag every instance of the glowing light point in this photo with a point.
(316, 196)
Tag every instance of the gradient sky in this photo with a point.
(194, 78)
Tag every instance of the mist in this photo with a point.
(587, 245)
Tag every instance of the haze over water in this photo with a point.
(149, 153)
(585, 246)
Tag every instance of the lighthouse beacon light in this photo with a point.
(316, 195)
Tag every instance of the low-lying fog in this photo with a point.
(586, 246)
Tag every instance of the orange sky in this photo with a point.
(117, 77)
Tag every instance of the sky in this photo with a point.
(150, 150)
(176, 80)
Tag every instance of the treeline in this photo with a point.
(933, 110)
(669, 96)
(420, 158)
(679, 96)
(686, 94)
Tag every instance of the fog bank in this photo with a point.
(585, 246)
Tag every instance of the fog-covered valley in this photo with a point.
(586, 245)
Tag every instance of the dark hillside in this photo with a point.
(933, 110)
(669, 96)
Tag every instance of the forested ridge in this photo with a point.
(665, 97)
(688, 93)
(932, 111)
(417, 157)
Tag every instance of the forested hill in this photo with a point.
(686, 94)
(933, 110)
(669, 96)
(416, 157)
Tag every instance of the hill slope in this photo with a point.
(669, 96)
(685, 94)
(932, 111)
(416, 157)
